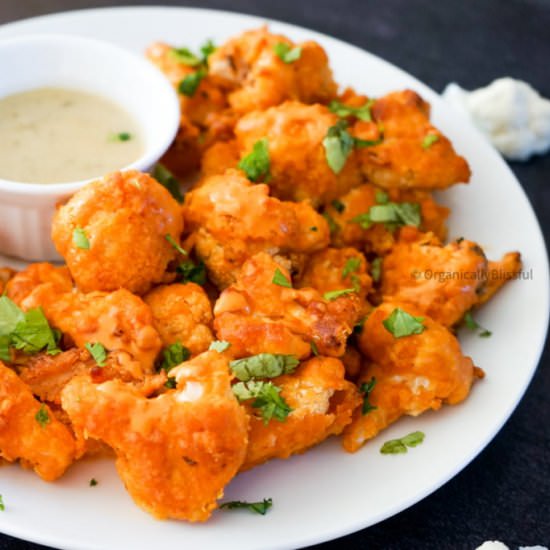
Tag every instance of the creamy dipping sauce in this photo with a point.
(57, 135)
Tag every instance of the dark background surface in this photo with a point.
(505, 493)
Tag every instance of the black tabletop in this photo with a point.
(505, 493)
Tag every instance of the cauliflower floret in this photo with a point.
(298, 160)
(257, 78)
(322, 403)
(406, 157)
(30, 432)
(175, 452)
(234, 219)
(412, 374)
(257, 315)
(112, 233)
(443, 282)
(182, 313)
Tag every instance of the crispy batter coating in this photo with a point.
(208, 98)
(322, 404)
(337, 269)
(378, 238)
(6, 274)
(176, 452)
(125, 218)
(46, 375)
(257, 78)
(219, 158)
(298, 163)
(403, 160)
(182, 313)
(46, 446)
(498, 273)
(119, 320)
(259, 316)
(413, 373)
(234, 219)
(441, 281)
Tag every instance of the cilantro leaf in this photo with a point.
(175, 244)
(188, 86)
(473, 325)
(121, 136)
(207, 49)
(280, 279)
(393, 214)
(256, 164)
(174, 355)
(332, 225)
(286, 53)
(219, 345)
(34, 334)
(186, 57)
(401, 324)
(351, 266)
(333, 294)
(338, 144)
(366, 389)
(168, 180)
(98, 352)
(266, 398)
(2, 506)
(264, 365)
(338, 205)
(80, 239)
(363, 220)
(314, 348)
(396, 446)
(10, 316)
(93, 482)
(381, 197)
(257, 507)
(429, 140)
(376, 269)
(362, 113)
(42, 416)
(191, 272)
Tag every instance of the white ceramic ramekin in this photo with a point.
(26, 209)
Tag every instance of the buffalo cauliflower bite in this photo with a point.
(119, 320)
(257, 78)
(112, 233)
(378, 238)
(498, 273)
(322, 404)
(440, 281)
(257, 315)
(29, 432)
(337, 269)
(182, 313)
(234, 219)
(298, 162)
(175, 452)
(412, 373)
(413, 154)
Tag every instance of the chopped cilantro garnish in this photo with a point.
(93, 482)
(366, 389)
(342, 110)
(191, 272)
(2, 506)
(401, 324)
(256, 164)
(42, 416)
(168, 180)
(338, 205)
(98, 352)
(174, 355)
(429, 140)
(80, 239)
(338, 145)
(351, 266)
(175, 244)
(286, 53)
(263, 365)
(393, 214)
(333, 294)
(332, 225)
(396, 446)
(280, 279)
(207, 49)
(186, 57)
(188, 86)
(257, 507)
(473, 325)
(381, 197)
(314, 348)
(266, 398)
(376, 269)
(219, 345)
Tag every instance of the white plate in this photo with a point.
(325, 493)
